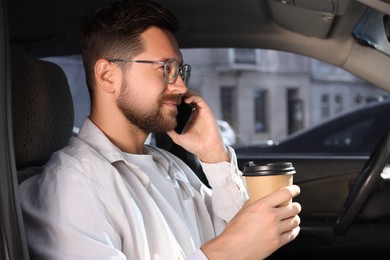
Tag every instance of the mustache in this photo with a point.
(172, 98)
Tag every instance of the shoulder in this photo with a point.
(76, 158)
(75, 177)
(75, 167)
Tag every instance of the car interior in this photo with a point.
(343, 199)
(42, 114)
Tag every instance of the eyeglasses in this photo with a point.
(172, 69)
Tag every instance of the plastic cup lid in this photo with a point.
(275, 168)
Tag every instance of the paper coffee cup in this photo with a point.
(262, 180)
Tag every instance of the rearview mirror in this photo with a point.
(386, 23)
(373, 29)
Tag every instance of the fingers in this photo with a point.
(191, 97)
(264, 223)
(286, 214)
(203, 137)
(288, 228)
(289, 236)
(283, 195)
(289, 224)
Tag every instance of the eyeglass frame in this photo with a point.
(185, 68)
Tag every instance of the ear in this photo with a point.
(105, 73)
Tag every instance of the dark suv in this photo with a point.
(353, 133)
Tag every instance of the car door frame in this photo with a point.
(12, 240)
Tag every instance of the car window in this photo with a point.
(263, 98)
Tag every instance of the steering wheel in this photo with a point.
(364, 185)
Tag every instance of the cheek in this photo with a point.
(146, 96)
(140, 99)
(148, 75)
(144, 88)
(146, 83)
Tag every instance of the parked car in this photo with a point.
(261, 67)
(228, 134)
(354, 133)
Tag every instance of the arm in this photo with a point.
(219, 163)
(228, 189)
(258, 229)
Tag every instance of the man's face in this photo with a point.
(145, 99)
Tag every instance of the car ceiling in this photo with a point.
(307, 27)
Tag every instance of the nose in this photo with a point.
(179, 86)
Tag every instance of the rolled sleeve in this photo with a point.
(228, 188)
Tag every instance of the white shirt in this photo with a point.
(94, 201)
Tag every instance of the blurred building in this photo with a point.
(263, 94)
(267, 95)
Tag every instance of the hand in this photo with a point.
(258, 229)
(202, 137)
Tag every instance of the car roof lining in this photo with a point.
(381, 5)
(212, 25)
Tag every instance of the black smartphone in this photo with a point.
(184, 116)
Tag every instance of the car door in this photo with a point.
(12, 242)
(324, 186)
(325, 183)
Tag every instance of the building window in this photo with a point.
(260, 110)
(358, 99)
(244, 56)
(227, 104)
(338, 104)
(295, 111)
(325, 106)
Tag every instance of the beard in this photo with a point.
(153, 121)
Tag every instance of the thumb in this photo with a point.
(284, 194)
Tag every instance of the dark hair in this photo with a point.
(113, 31)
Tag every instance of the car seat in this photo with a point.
(43, 115)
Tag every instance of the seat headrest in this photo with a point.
(42, 109)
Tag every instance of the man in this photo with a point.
(107, 195)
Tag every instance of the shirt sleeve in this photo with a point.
(228, 187)
(197, 255)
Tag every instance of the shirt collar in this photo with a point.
(94, 137)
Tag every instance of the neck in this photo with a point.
(122, 133)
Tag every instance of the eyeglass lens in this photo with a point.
(185, 72)
(172, 71)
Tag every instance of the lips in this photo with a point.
(173, 105)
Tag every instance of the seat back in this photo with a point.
(43, 115)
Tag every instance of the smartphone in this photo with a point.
(184, 116)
